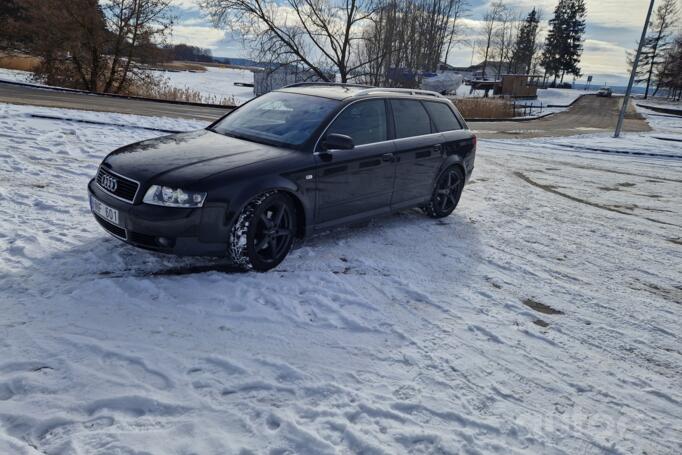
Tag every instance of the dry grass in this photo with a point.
(161, 89)
(19, 62)
(484, 107)
(182, 66)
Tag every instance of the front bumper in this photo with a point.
(185, 232)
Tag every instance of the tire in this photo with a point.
(446, 193)
(264, 232)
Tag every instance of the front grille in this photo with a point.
(125, 188)
(143, 239)
(111, 228)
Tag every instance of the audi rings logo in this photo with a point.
(108, 183)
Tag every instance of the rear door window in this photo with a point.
(365, 122)
(411, 118)
(443, 117)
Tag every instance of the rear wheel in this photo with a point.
(264, 232)
(446, 194)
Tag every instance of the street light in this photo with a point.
(635, 64)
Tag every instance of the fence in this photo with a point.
(527, 110)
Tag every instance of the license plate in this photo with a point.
(104, 211)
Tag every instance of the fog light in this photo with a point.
(163, 241)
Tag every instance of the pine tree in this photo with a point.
(525, 46)
(551, 55)
(564, 43)
(576, 33)
(656, 45)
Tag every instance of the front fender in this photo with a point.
(302, 192)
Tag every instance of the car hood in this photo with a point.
(187, 157)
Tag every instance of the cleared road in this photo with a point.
(16, 94)
(589, 114)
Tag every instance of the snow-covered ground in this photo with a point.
(216, 83)
(15, 75)
(543, 316)
(546, 97)
(558, 98)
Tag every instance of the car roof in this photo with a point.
(346, 91)
(336, 92)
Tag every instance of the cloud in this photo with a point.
(612, 13)
(191, 5)
(206, 37)
(604, 57)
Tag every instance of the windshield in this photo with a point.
(277, 117)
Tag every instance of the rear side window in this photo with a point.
(442, 116)
(411, 118)
(365, 122)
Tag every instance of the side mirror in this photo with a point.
(338, 142)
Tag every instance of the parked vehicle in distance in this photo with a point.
(282, 166)
(605, 92)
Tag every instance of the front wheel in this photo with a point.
(264, 232)
(446, 193)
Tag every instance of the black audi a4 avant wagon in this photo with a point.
(282, 166)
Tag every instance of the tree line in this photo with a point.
(100, 46)
(389, 42)
(105, 45)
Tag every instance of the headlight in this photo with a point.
(173, 197)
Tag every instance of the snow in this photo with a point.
(15, 75)
(216, 83)
(541, 317)
(560, 96)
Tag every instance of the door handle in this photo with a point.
(390, 157)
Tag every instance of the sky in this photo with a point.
(613, 27)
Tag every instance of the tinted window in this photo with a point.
(411, 118)
(442, 116)
(365, 122)
(277, 117)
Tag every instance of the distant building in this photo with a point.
(493, 70)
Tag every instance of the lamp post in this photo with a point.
(633, 73)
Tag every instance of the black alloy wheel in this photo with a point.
(446, 194)
(264, 232)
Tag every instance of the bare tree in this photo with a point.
(318, 34)
(11, 13)
(458, 10)
(670, 73)
(407, 38)
(135, 24)
(70, 38)
(503, 39)
(490, 25)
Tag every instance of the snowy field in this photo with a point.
(542, 317)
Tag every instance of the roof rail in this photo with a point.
(326, 84)
(404, 91)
